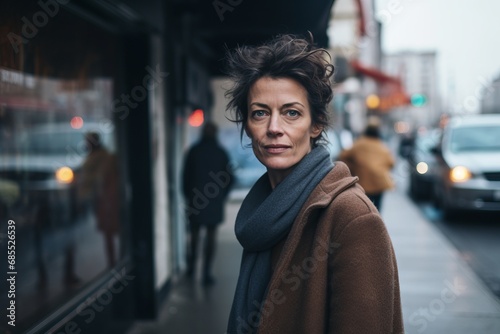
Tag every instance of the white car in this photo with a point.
(468, 175)
(42, 163)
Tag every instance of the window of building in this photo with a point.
(60, 175)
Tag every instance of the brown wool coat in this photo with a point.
(336, 271)
(370, 160)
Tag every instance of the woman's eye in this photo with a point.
(293, 113)
(258, 113)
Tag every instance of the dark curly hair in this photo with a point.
(286, 56)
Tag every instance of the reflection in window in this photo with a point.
(60, 178)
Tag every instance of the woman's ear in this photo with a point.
(316, 130)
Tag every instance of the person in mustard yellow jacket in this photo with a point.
(372, 161)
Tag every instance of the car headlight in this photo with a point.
(460, 174)
(65, 175)
(422, 167)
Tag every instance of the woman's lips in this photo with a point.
(276, 149)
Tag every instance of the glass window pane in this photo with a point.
(60, 176)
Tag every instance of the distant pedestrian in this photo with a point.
(372, 161)
(207, 179)
(98, 190)
(317, 257)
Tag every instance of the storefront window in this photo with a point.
(60, 174)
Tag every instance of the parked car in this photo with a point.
(422, 164)
(43, 161)
(247, 169)
(469, 165)
(406, 145)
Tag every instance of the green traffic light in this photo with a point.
(418, 100)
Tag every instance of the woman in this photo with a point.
(371, 160)
(317, 257)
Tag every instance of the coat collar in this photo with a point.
(335, 182)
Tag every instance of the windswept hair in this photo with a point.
(286, 56)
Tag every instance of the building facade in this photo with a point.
(417, 71)
(95, 98)
(490, 102)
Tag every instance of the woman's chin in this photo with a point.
(279, 166)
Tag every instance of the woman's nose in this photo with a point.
(275, 127)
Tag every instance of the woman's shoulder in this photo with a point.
(350, 207)
(343, 198)
(353, 202)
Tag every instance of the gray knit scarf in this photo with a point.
(265, 218)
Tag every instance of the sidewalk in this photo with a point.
(440, 293)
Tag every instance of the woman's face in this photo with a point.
(279, 125)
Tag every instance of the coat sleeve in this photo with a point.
(228, 169)
(391, 158)
(364, 295)
(187, 174)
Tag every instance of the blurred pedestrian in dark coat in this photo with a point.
(207, 180)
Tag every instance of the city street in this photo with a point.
(440, 293)
(476, 235)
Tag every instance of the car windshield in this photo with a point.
(475, 138)
(51, 143)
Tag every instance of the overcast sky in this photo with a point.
(464, 33)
